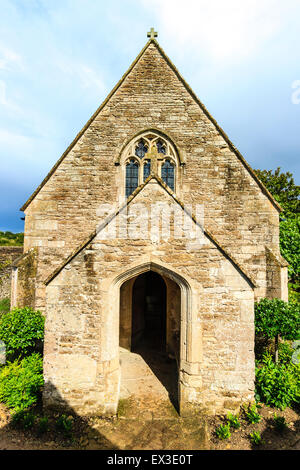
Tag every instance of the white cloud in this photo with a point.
(87, 77)
(15, 142)
(8, 104)
(9, 58)
(18, 151)
(3, 100)
(226, 30)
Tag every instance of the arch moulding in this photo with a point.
(188, 319)
(180, 155)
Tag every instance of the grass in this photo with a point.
(124, 406)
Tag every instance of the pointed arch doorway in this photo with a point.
(150, 306)
(149, 319)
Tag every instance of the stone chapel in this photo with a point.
(109, 286)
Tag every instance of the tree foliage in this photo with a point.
(290, 245)
(276, 317)
(283, 189)
(286, 192)
(11, 239)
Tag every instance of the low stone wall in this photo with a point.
(7, 255)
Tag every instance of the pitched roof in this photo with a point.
(190, 91)
(209, 235)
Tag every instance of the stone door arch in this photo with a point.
(185, 352)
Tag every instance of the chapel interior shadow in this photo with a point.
(149, 325)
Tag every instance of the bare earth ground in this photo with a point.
(149, 421)
(155, 426)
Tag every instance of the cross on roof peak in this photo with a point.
(152, 34)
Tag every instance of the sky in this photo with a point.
(59, 59)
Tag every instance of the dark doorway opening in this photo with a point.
(149, 312)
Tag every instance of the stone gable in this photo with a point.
(63, 212)
(87, 284)
(221, 312)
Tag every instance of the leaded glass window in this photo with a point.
(132, 177)
(161, 147)
(141, 149)
(147, 169)
(147, 153)
(168, 174)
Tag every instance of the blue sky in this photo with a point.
(60, 58)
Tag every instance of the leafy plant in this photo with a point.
(252, 414)
(223, 431)
(274, 317)
(23, 418)
(256, 438)
(21, 382)
(43, 425)
(64, 424)
(285, 353)
(277, 384)
(280, 423)
(233, 421)
(22, 330)
(28, 420)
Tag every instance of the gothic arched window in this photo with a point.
(132, 177)
(161, 147)
(141, 149)
(168, 174)
(147, 168)
(147, 153)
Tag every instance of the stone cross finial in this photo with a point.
(152, 34)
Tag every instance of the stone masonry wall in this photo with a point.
(81, 363)
(7, 255)
(64, 211)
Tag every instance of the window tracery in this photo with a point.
(139, 164)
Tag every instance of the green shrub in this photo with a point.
(23, 419)
(223, 431)
(233, 421)
(17, 418)
(280, 423)
(4, 306)
(43, 425)
(252, 414)
(256, 438)
(22, 330)
(21, 382)
(277, 384)
(285, 353)
(64, 424)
